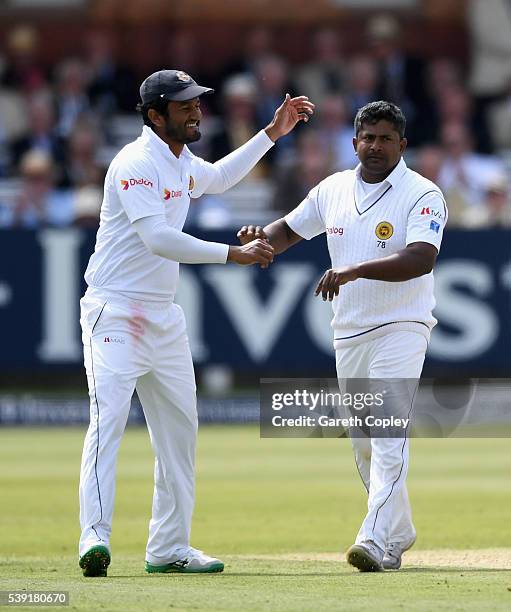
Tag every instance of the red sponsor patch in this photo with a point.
(170, 193)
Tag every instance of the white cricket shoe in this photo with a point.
(366, 556)
(193, 561)
(394, 552)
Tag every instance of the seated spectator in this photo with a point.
(239, 119)
(41, 133)
(428, 161)
(71, 96)
(272, 85)
(82, 167)
(23, 70)
(39, 202)
(112, 86)
(87, 206)
(464, 174)
(13, 124)
(362, 83)
(258, 43)
(310, 166)
(496, 209)
(326, 73)
(499, 122)
(336, 132)
(400, 75)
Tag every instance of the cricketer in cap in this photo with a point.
(132, 279)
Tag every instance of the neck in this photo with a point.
(371, 177)
(175, 147)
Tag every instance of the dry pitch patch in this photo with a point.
(488, 558)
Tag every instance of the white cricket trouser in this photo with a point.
(128, 345)
(383, 462)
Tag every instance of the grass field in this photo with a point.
(278, 512)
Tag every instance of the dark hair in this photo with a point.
(160, 106)
(377, 111)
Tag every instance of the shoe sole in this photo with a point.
(389, 566)
(95, 561)
(359, 558)
(171, 568)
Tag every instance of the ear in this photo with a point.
(402, 145)
(155, 117)
(355, 141)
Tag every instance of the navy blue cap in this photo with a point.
(171, 85)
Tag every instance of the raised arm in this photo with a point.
(223, 174)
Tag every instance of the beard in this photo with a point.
(180, 134)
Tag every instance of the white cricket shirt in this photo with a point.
(364, 224)
(144, 179)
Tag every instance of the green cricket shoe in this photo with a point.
(193, 562)
(95, 561)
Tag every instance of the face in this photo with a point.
(379, 148)
(182, 122)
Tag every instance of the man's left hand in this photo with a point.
(332, 279)
(288, 114)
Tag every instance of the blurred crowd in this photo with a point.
(59, 129)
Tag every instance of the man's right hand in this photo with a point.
(251, 232)
(253, 251)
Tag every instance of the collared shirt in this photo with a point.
(145, 178)
(402, 209)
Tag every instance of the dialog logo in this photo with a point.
(126, 184)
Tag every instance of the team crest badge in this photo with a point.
(182, 76)
(191, 184)
(384, 230)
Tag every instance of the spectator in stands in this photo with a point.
(464, 174)
(239, 123)
(39, 202)
(272, 86)
(499, 121)
(23, 70)
(13, 124)
(82, 167)
(311, 165)
(40, 134)
(72, 100)
(428, 161)
(362, 83)
(336, 131)
(87, 206)
(111, 85)
(258, 44)
(326, 73)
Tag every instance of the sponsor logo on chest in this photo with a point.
(335, 231)
(170, 193)
(127, 183)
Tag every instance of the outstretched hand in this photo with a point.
(288, 114)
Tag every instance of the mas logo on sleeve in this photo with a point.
(126, 184)
(432, 212)
(384, 230)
